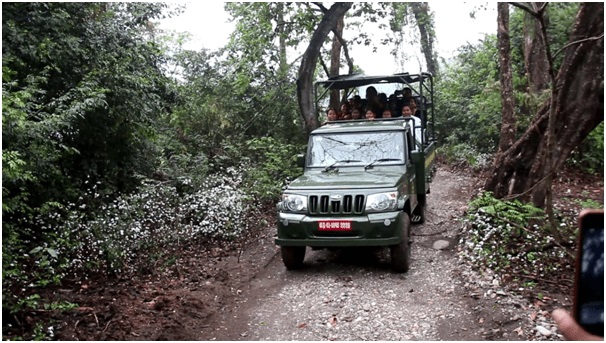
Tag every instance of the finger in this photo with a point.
(569, 327)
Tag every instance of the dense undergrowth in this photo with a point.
(514, 240)
(133, 234)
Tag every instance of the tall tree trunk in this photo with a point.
(535, 63)
(425, 25)
(335, 60)
(309, 61)
(578, 109)
(283, 61)
(508, 121)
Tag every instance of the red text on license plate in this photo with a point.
(334, 225)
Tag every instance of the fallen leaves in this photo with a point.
(533, 316)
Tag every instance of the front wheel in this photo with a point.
(292, 257)
(400, 254)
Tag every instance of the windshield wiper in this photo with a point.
(369, 166)
(332, 166)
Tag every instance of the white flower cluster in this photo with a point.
(489, 242)
(156, 217)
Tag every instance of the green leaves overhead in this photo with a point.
(94, 80)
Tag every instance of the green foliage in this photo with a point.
(513, 211)
(590, 203)
(560, 19)
(82, 89)
(464, 155)
(271, 163)
(511, 237)
(589, 156)
(28, 303)
(67, 114)
(468, 96)
(468, 106)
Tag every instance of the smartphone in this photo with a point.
(588, 306)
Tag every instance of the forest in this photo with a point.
(120, 148)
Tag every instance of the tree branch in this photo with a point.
(321, 7)
(345, 50)
(525, 8)
(578, 42)
(543, 7)
(325, 67)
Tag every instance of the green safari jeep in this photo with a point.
(364, 181)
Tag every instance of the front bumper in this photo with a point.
(375, 229)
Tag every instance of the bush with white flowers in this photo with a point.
(510, 237)
(155, 217)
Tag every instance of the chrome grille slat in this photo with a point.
(347, 204)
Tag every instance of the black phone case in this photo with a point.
(589, 290)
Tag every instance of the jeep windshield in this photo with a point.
(357, 149)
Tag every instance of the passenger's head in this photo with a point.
(387, 113)
(331, 114)
(345, 107)
(383, 97)
(406, 111)
(413, 104)
(407, 93)
(370, 114)
(371, 92)
(355, 114)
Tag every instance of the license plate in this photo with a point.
(334, 225)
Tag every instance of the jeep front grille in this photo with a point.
(347, 204)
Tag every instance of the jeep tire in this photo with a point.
(400, 254)
(292, 256)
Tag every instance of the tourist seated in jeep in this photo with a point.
(418, 128)
(415, 110)
(355, 114)
(345, 113)
(387, 113)
(370, 114)
(331, 114)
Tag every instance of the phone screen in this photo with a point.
(590, 287)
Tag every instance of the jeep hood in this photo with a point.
(354, 179)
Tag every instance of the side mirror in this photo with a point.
(301, 160)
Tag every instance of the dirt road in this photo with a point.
(353, 294)
(221, 293)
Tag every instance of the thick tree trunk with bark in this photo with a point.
(535, 63)
(425, 25)
(508, 121)
(309, 60)
(335, 60)
(579, 108)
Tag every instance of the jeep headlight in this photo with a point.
(294, 203)
(380, 202)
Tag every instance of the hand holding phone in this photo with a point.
(588, 306)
